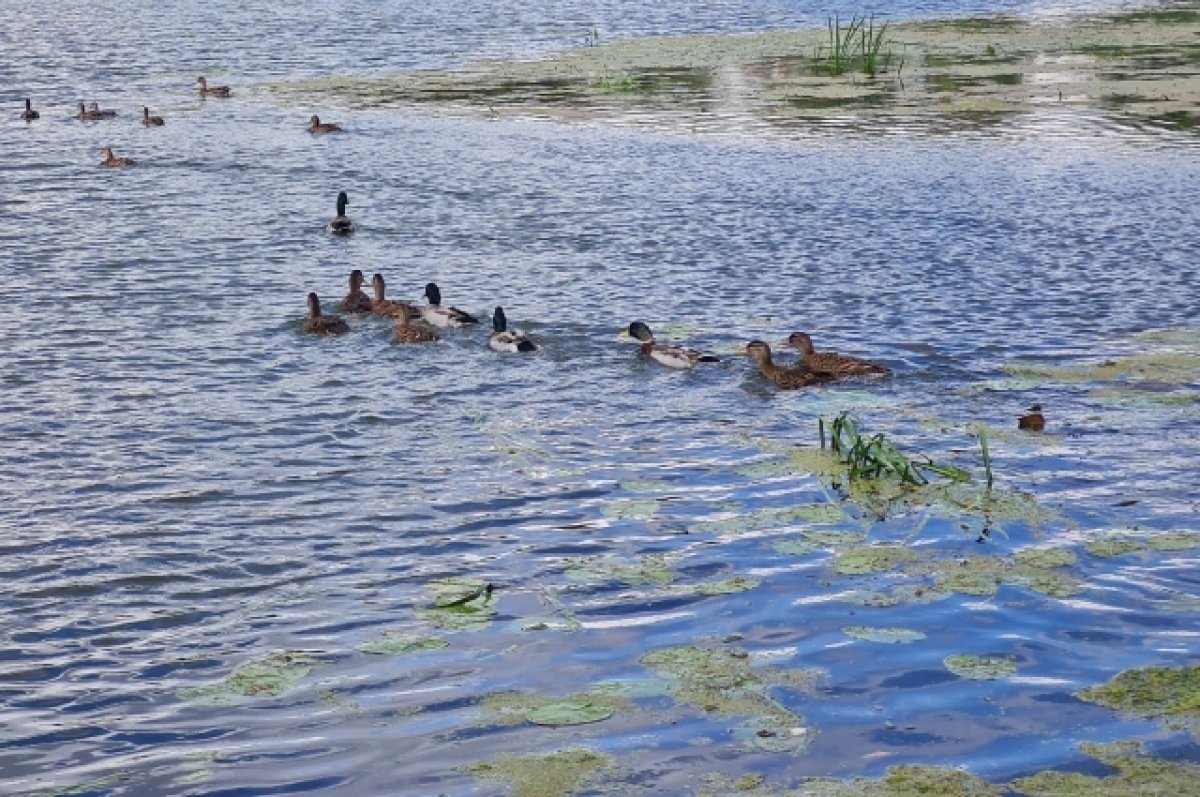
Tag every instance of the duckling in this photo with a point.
(668, 355)
(94, 109)
(212, 91)
(29, 114)
(1032, 421)
(503, 340)
(407, 333)
(315, 125)
(150, 121)
(389, 307)
(356, 301)
(783, 376)
(438, 316)
(832, 363)
(318, 324)
(340, 224)
(112, 160)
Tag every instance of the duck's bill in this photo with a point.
(740, 350)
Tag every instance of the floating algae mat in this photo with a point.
(1168, 368)
(1155, 692)
(810, 541)
(459, 604)
(980, 668)
(268, 677)
(771, 519)
(1138, 775)
(1037, 569)
(561, 773)
(651, 569)
(723, 681)
(397, 644)
(514, 708)
(892, 636)
(899, 781)
(625, 509)
(727, 586)
(1110, 545)
(872, 559)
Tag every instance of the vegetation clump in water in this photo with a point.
(459, 604)
(899, 781)
(980, 668)
(270, 676)
(514, 708)
(1137, 775)
(871, 559)
(561, 773)
(397, 644)
(1171, 693)
(652, 569)
(894, 636)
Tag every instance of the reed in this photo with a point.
(987, 457)
(870, 43)
(875, 456)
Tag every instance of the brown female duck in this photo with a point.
(150, 121)
(112, 160)
(316, 126)
(356, 301)
(212, 91)
(389, 307)
(832, 363)
(86, 115)
(318, 324)
(407, 333)
(94, 110)
(787, 378)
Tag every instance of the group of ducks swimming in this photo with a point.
(813, 368)
(94, 113)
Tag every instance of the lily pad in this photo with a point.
(898, 636)
(268, 677)
(393, 645)
(980, 668)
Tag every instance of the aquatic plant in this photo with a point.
(841, 44)
(876, 456)
(870, 43)
(270, 676)
(562, 773)
(581, 708)
(980, 668)
(459, 604)
(1150, 692)
(1137, 775)
(393, 645)
(893, 636)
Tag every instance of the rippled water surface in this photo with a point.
(191, 484)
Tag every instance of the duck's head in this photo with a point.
(145, 112)
(314, 306)
(203, 83)
(107, 153)
(95, 106)
(82, 108)
(757, 349)
(433, 293)
(314, 121)
(379, 285)
(342, 201)
(356, 279)
(499, 321)
(639, 331)
(801, 341)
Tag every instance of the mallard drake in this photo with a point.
(212, 91)
(502, 339)
(433, 313)
(315, 125)
(1033, 420)
(389, 307)
(356, 301)
(787, 378)
(112, 160)
(318, 324)
(668, 355)
(29, 114)
(407, 333)
(150, 121)
(832, 363)
(96, 113)
(340, 224)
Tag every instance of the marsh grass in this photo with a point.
(858, 45)
(870, 43)
(876, 456)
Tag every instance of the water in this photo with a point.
(191, 484)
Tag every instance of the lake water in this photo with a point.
(192, 485)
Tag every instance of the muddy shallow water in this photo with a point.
(224, 571)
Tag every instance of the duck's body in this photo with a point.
(832, 363)
(29, 114)
(113, 161)
(150, 121)
(318, 324)
(446, 317)
(407, 333)
(96, 113)
(1032, 421)
(788, 378)
(356, 301)
(388, 307)
(316, 126)
(212, 91)
(87, 115)
(502, 339)
(340, 224)
(666, 354)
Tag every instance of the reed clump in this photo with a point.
(856, 46)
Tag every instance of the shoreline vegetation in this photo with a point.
(1142, 66)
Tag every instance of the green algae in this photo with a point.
(980, 668)
(562, 773)
(651, 569)
(727, 586)
(1174, 541)
(645, 486)
(810, 541)
(723, 681)
(892, 636)
(1150, 692)
(459, 604)
(1138, 775)
(515, 708)
(398, 644)
(981, 576)
(270, 676)
(1172, 368)
(910, 780)
(901, 594)
(771, 519)
(457, 591)
(1108, 546)
(871, 559)
(1045, 557)
(630, 510)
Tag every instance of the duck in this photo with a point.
(315, 125)
(407, 333)
(389, 307)
(29, 114)
(96, 113)
(356, 301)
(112, 160)
(502, 339)
(438, 316)
(668, 355)
(340, 224)
(150, 121)
(832, 363)
(788, 378)
(318, 324)
(212, 91)
(86, 115)
(1033, 420)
